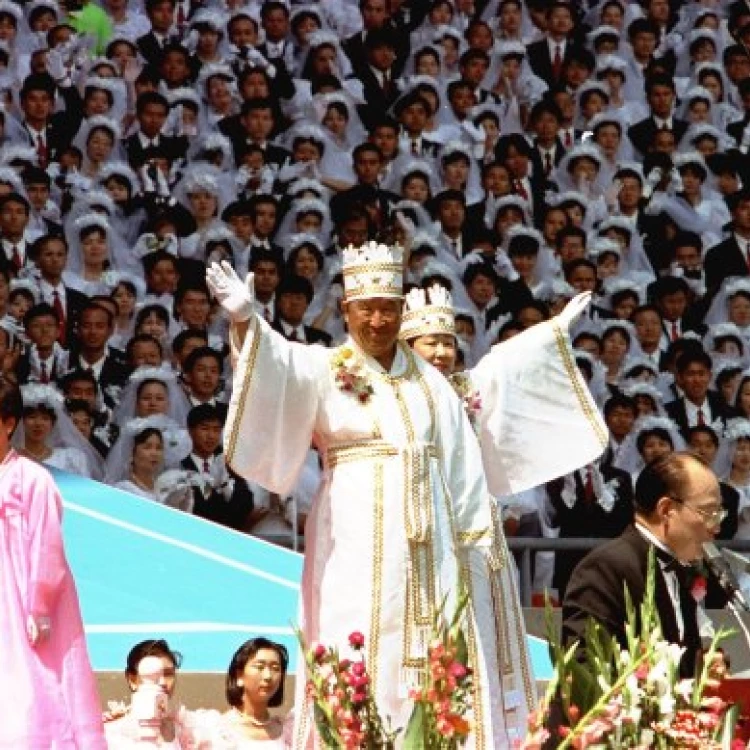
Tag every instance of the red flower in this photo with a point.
(356, 639)
(457, 670)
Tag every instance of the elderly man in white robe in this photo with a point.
(403, 517)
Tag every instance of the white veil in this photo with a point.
(178, 406)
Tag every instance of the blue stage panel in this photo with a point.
(147, 571)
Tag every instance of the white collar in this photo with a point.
(298, 331)
(649, 535)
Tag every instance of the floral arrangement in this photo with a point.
(345, 711)
(614, 697)
(350, 375)
(469, 396)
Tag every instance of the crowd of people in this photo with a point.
(523, 152)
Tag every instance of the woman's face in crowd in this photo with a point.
(96, 103)
(148, 457)
(309, 222)
(741, 459)
(203, 205)
(99, 146)
(655, 447)
(38, 425)
(306, 265)
(554, 221)
(262, 676)
(614, 348)
(153, 398)
(154, 326)
(416, 189)
(219, 94)
(739, 310)
(94, 248)
(438, 349)
(608, 139)
(335, 121)
(428, 65)
(125, 300)
(456, 174)
(324, 60)
(743, 399)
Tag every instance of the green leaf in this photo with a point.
(416, 729)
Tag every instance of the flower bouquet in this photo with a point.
(346, 714)
(613, 697)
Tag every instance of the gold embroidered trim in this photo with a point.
(361, 450)
(254, 331)
(468, 537)
(480, 740)
(377, 579)
(575, 379)
(367, 268)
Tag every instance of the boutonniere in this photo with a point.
(469, 396)
(350, 374)
(699, 588)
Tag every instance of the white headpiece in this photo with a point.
(427, 312)
(373, 270)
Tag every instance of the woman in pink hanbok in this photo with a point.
(47, 689)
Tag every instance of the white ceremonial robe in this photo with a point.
(402, 516)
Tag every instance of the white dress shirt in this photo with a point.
(691, 410)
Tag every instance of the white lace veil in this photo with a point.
(64, 433)
(178, 403)
(177, 445)
(629, 458)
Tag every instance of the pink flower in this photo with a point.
(457, 670)
(358, 668)
(317, 651)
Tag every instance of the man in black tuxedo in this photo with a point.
(161, 15)
(49, 132)
(544, 121)
(548, 56)
(413, 112)
(15, 212)
(226, 498)
(677, 510)
(378, 76)
(698, 406)
(660, 95)
(376, 16)
(595, 501)
(96, 325)
(151, 111)
(50, 255)
(274, 18)
(731, 257)
(257, 122)
(293, 296)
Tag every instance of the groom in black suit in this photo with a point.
(677, 509)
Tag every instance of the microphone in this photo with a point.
(719, 566)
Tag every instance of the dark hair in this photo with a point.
(145, 435)
(14, 198)
(75, 376)
(693, 357)
(706, 430)
(41, 409)
(150, 647)
(151, 97)
(97, 307)
(150, 381)
(203, 413)
(158, 310)
(200, 353)
(619, 401)
(11, 403)
(151, 260)
(475, 270)
(237, 666)
(179, 341)
(38, 311)
(665, 476)
(141, 338)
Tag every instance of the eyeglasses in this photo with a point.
(711, 517)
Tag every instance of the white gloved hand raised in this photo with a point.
(235, 296)
(574, 309)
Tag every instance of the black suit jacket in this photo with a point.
(588, 519)
(275, 156)
(312, 335)
(378, 99)
(537, 53)
(215, 507)
(722, 261)
(114, 372)
(677, 412)
(74, 302)
(62, 126)
(150, 48)
(538, 163)
(174, 146)
(596, 590)
(642, 133)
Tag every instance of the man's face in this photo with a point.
(414, 118)
(374, 324)
(266, 277)
(38, 194)
(242, 226)
(620, 421)
(462, 99)
(648, 327)
(644, 45)
(474, 71)
(258, 124)
(703, 446)
(13, 219)
(204, 377)
(152, 119)
(451, 215)
(661, 99)
(740, 216)
(353, 232)
(560, 22)
(82, 390)
(292, 307)
(386, 139)
(161, 16)
(94, 329)
(37, 106)
(145, 353)
(688, 257)
(673, 305)
(630, 192)
(374, 14)
(52, 258)
(206, 437)
(43, 331)
(546, 127)
(694, 381)
(738, 67)
(276, 25)
(689, 523)
(367, 167)
(194, 309)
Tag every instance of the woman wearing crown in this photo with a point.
(403, 517)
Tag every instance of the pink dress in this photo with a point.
(48, 692)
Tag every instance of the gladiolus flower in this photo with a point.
(457, 670)
(317, 651)
(356, 640)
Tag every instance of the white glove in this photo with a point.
(56, 65)
(146, 182)
(504, 266)
(235, 296)
(611, 194)
(656, 205)
(652, 180)
(191, 42)
(475, 132)
(574, 309)
(256, 59)
(406, 224)
(162, 186)
(676, 180)
(77, 180)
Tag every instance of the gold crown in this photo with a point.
(373, 270)
(427, 312)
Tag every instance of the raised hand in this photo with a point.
(235, 296)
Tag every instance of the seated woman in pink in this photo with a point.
(47, 689)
